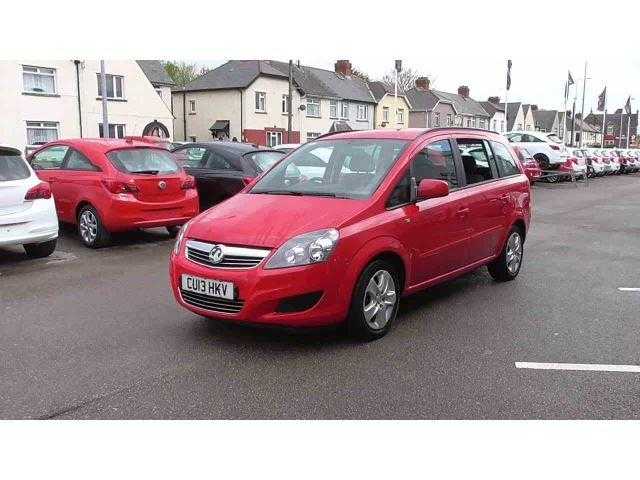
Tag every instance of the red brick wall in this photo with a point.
(259, 137)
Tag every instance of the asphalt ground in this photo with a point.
(97, 334)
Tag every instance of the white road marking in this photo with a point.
(629, 289)
(594, 367)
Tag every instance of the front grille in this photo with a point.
(233, 257)
(211, 303)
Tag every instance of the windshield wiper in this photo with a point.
(278, 192)
(146, 172)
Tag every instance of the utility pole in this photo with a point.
(395, 93)
(105, 116)
(620, 131)
(584, 88)
(604, 118)
(184, 111)
(573, 122)
(290, 103)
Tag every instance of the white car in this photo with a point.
(27, 211)
(287, 147)
(595, 165)
(546, 148)
(616, 164)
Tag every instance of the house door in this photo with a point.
(274, 139)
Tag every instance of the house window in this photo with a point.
(159, 92)
(363, 112)
(468, 122)
(449, 120)
(313, 107)
(192, 138)
(436, 119)
(116, 130)
(192, 106)
(274, 138)
(285, 104)
(495, 125)
(38, 80)
(344, 110)
(261, 99)
(39, 133)
(385, 114)
(458, 120)
(609, 129)
(312, 136)
(401, 115)
(115, 86)
(333, 109)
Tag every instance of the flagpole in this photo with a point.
(604, 116)
(584, 88)
(628, 128)
(564, 112)
(506, 99)
(620, 133)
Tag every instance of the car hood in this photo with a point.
(263, 220)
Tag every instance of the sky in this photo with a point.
(460, 42)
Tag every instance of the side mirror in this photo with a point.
(429, 188)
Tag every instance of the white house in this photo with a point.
(44, 100)
(248, 100)
(497, 119)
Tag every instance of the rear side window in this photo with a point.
(476, 160)
(149, 161)
(265, 160)
(50, 158)
(435, 161)
(215, 161)
(12, 167)
(77, 161)
(504, 160)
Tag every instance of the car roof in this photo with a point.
(403, 134)
(9, 151)
(102, 145)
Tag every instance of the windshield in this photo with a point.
(265, 160)
(12, 167)
(554, 138)
(149, 161)
(337, 168)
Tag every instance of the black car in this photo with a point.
(222, 169)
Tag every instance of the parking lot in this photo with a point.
(97, 334)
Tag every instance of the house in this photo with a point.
(614, 135)
(549, 121)
(497, 118)
(527, 115)
(248, 100)
(157, 75)
(387, 114)
(434, 108)
(515, 116)
(44, 100)
(591, 135)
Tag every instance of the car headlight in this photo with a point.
(180, 237)
(305, 249)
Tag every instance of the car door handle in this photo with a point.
(463, 212)
(505, 198)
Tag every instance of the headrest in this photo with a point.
(362, 163)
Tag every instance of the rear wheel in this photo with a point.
(507, 266)
(375, 301)
(40, 250)
(90, 228)
(542, 160)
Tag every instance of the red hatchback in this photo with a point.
(388, 214)
(109, 185)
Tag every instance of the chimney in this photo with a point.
(494, 100)
(463, 91)
(343, 67)
(422, 83)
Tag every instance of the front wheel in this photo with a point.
(507, 266)
(40, 250)
(375, 301)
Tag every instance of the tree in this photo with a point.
(181, 72)
(406, 79)
(360, 74)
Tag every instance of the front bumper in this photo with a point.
(262, 292)
(36, 224)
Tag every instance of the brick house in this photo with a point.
(613, 135)
(247, 100)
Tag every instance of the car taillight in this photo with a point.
(188, 184)
(42, 190)
(116, 186)
(575, 161)
(554, 147)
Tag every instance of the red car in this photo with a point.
(389, 214)
(531, 168)
(108, 185)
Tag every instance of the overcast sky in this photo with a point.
(460, 42)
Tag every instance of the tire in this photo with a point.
(92, 232)
(375, 280)
(173, 230)
(553, 178)
(542, 160)
(504, 268)
(40, 250)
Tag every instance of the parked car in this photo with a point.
(287, 147)
(546, 148)
(606, 157)
(575, 162)
(634, 160)
(393, 213)
(595, 165)
(627, 161)
(27, 211)
(156, 141)
(222, 169)
(108, 185)
(531, 168)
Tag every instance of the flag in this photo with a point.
(570, 80)
(627, 106)
(566, 87)
(508, 74)
(602, 100)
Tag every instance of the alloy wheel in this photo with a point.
(380, 300)
(88, 227)
(514, 253)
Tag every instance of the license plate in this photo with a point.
(205, 286)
